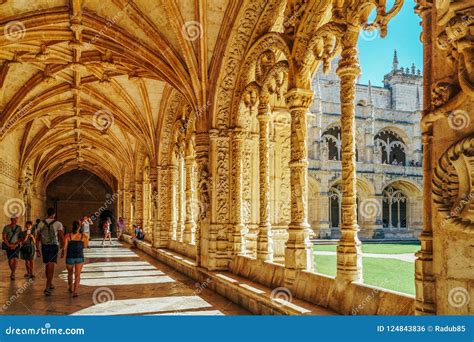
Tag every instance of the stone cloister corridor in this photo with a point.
(190, 119)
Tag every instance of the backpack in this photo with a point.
(48, 235)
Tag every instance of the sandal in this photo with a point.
(12, 277)
(75, 294)
(26, 275)
(47, 293)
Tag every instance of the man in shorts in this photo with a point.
(86, 226)
(50, 235)
(11, 244)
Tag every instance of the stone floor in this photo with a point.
(116, 280)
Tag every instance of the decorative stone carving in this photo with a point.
(452, 186)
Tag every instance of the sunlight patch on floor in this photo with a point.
(115, 274)
(192, 313)
(172, 304)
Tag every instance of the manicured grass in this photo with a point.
(390, 274)
(377, 248)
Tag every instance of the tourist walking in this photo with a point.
(120, 228)
(107, 232)
(74, 244)
(50, 235)
(11, 244)
(27, 249)
(86, 226)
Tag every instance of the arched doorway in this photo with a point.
(78, 193)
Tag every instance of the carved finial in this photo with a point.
(395, 60)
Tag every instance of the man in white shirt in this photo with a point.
(50, 235)
(86, 226)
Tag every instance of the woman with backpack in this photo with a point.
(74, 244)
(27, 249)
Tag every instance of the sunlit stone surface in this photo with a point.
(173, 304)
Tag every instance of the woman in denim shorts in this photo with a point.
(74, 244)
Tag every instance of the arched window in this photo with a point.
(335, 195)
(332, 137)
(392, 147)
(335, 198)
(394, 208)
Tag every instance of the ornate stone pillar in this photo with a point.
(425, 301)
(180, 200)
(349, 257)
(126, 209)
(238, 237)
(264, 237)
(163, 234)
(298, 249)
(173, 213)
(190, 224)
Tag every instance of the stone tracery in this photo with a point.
(175, 130)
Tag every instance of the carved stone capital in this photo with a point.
(298, 98)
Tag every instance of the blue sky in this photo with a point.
(376, 55)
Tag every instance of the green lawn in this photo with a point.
(378, 248)
(391, 274)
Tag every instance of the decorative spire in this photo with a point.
(413, 68)
(371, 102)
(318, 95)
(395, 60)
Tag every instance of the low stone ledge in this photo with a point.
(256, 298)
(259, 287)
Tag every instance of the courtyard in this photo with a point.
(387, 265)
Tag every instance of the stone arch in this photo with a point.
(403, 147)
(410, 207)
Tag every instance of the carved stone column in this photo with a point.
(180, 199)
(173, 213)
(238, 238)
(349, 257)
(425, 302)
(164, 202)
(298, 252)
(264, 237)
(190, 224)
